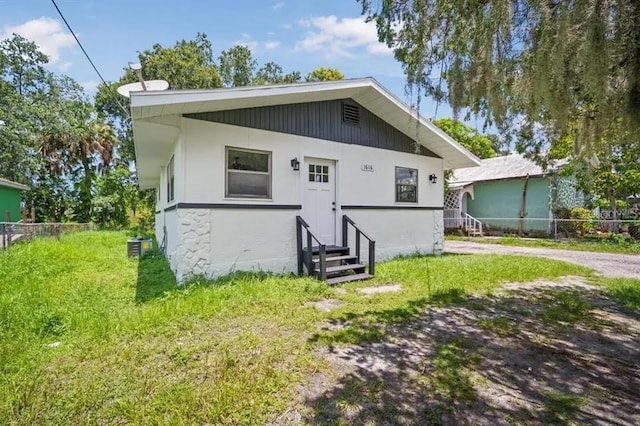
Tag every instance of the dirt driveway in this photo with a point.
(533, 353)
(608, 264)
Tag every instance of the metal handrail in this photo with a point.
(346, 221)
(307, 260)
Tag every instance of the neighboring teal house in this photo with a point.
(509, 194)
(10, 199)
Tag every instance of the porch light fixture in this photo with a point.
(433, 178)
(295, 164)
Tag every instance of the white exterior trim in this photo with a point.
(164, 108)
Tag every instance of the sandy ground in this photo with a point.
(608, 264)
(532, 353)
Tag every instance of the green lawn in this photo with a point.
(596, 244)
(90, 336)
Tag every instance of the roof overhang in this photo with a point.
(155, 107)
(10, 184)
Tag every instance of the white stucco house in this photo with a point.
(246, 177)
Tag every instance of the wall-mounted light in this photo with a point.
(295, 164)
(433, 178)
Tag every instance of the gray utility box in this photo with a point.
(138, 247)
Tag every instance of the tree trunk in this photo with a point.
(523, 207)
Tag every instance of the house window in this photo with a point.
(248, 173)
(318, 173)
(406, 185)
(170, 181)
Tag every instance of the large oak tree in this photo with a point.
(529, 67)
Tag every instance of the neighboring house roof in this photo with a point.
(156, 113)
(507, 167)
(11, 184)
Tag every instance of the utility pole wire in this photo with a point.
(86, 54)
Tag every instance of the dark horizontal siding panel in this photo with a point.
(363, 207)
(321, 120)
(239, 206)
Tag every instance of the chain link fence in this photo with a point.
(12, 232)
(558, 228)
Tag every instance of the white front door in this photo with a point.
(319, 208)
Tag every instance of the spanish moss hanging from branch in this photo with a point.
(538, 70)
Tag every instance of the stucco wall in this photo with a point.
(503, 200)
(215, 241)
(400, 231)
(204, 175)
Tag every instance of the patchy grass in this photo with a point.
(90, 336)
(451, 377)
(441, 281)
(595, 245)
(625, 290)
(566, 307)
(501, 326)
(560, 407)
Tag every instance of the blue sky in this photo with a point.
(297, 34)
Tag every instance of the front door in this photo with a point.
(319, 208)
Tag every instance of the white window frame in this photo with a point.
(171, 180)
(395, 180)
(227, 170)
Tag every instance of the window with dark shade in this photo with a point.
(170, 181)
(406, 185)
(248, 173)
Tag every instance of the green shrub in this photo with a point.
(584, 223)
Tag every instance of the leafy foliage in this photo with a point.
(530, 67)
(78, 156)
(480, 145)
(324, 74)
(585, 220)
(114, 194)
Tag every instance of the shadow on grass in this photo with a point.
(155, 277)
(368, 327)
(456, 365)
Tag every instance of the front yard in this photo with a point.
(89, 336)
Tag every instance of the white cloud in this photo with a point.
(269, 45)
(63, 66)
(48, 34)
(340, 37)
(90, 86)
(287, 26)
(278, 5)
(246, 40)
(253, 44)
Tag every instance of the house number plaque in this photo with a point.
(367, 167)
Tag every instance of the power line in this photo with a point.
(85, 52)
(78, 41)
